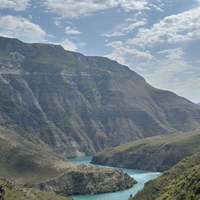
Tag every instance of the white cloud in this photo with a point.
(172, 53)
(69, 45)
(17, 26)
(17, 5)
(130, 57)
(172, 29)
(134, 19)
(68, 30)
(129, 5)
(58, 23)
(123, 29)
(75, 9)
(156, 7)
(115, 44)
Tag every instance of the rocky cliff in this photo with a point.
(158, 153)
(78, 105)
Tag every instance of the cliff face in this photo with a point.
(157, 153)
(77, 105)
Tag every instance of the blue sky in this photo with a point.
(159, 39)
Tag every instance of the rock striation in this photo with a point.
(78, 105)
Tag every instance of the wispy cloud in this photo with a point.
(17, 5)
(134, 18)
(69, 30)
(157, 7)
(165, 72)
(69, 45)
(174, 74)
(115, 44)
(123, 29)
(17, 26)
(172, 54)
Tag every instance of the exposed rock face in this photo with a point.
(77, 105)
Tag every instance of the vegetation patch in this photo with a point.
(77, 176)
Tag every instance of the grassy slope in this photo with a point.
(36, 167)
(27, 162)
(180, 182)
(188, 142)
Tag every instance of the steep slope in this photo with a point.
(180, 182)
(158, 153)
(36, 167)
(77, 105)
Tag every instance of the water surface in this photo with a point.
(140, 176)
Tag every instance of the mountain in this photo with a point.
(33, 166)
(198, 104)
(78, 105)
(157, 153)
(180, 182)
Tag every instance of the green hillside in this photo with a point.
(157, 153)
(180, 182)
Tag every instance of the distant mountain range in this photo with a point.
(78, 105)
(198, 104)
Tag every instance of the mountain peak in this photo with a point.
(48, 53)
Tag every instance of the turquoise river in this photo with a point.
(140, 176)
